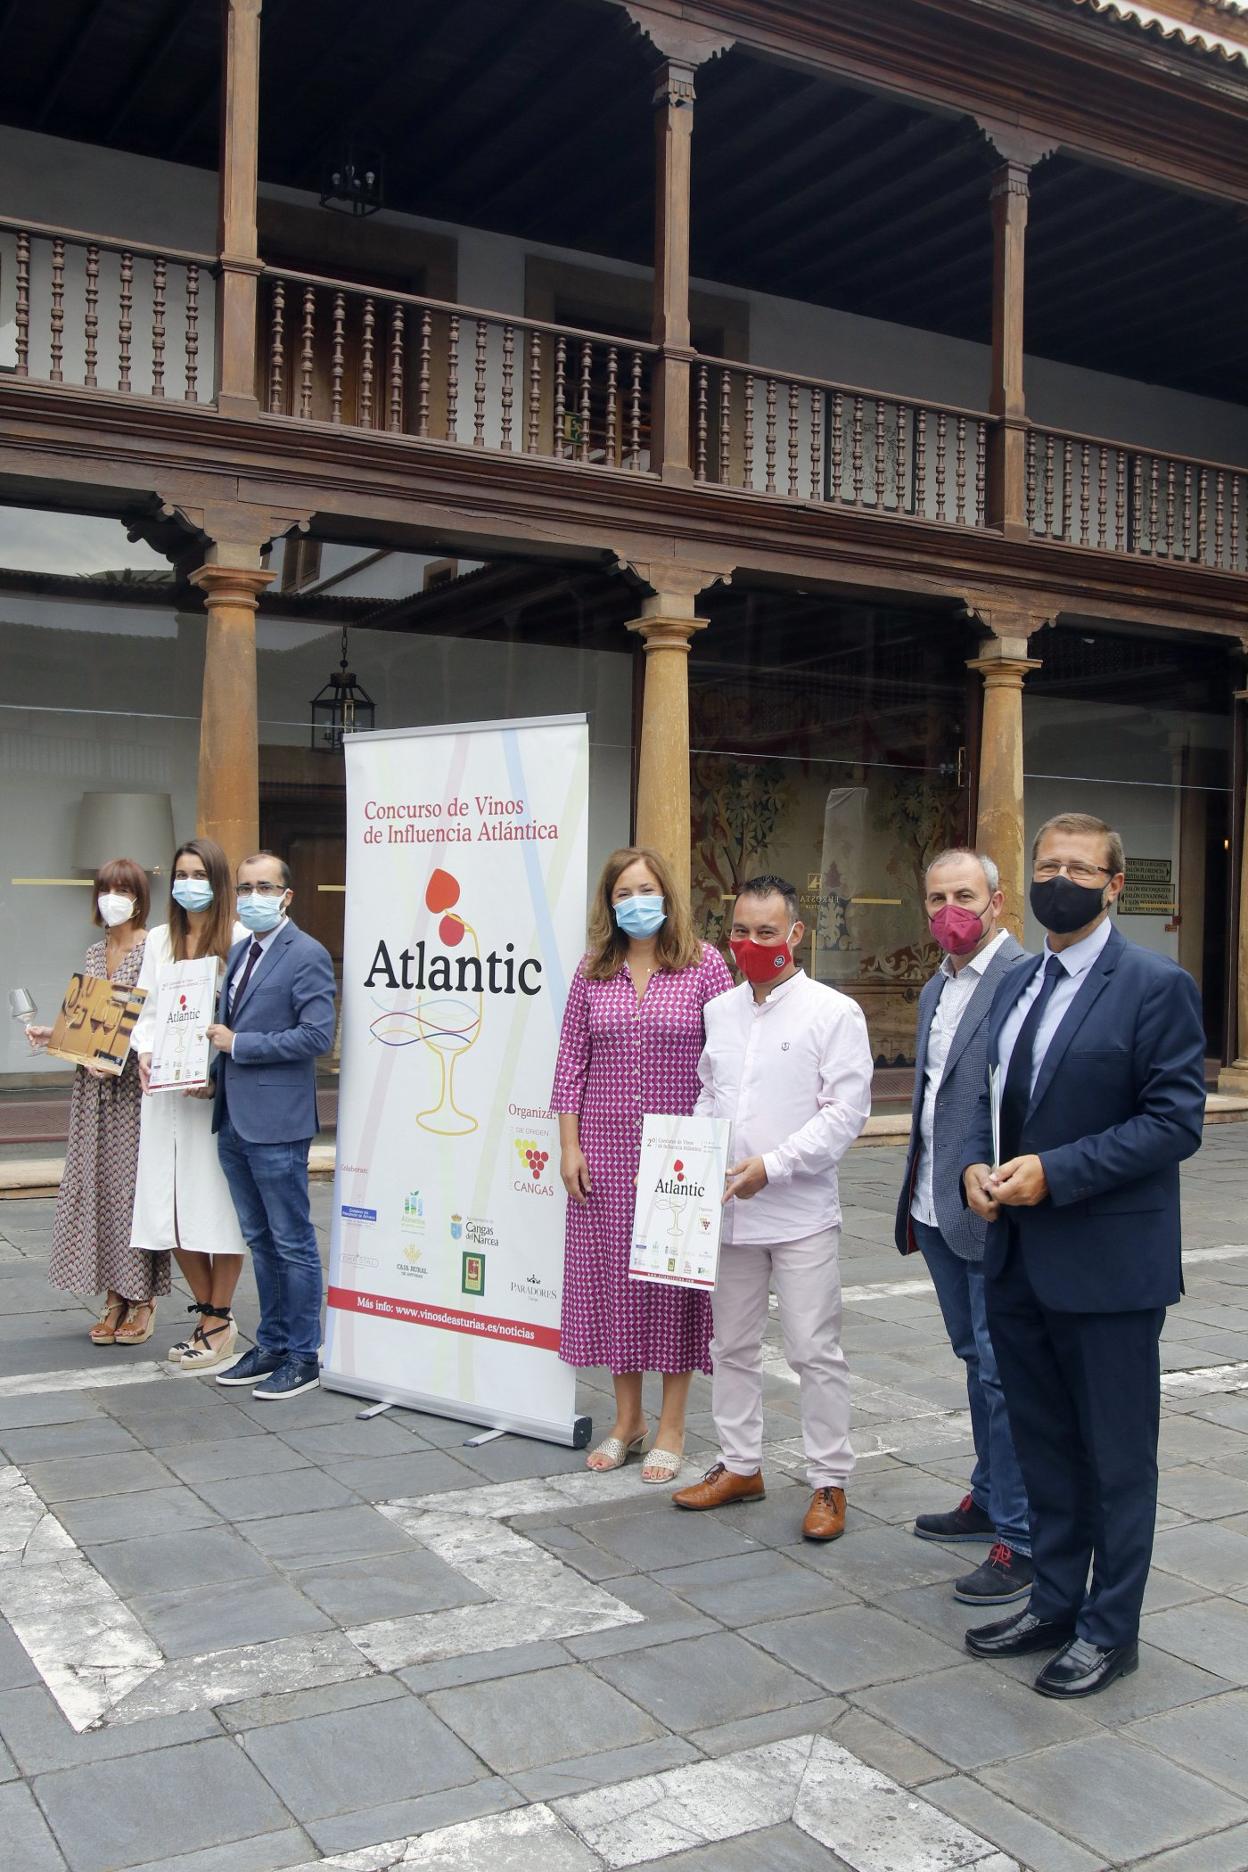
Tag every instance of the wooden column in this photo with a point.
(667, 626)
(239, 239)
(1234, 1078)
(1006, 491)
(669, 429)
(999, 826)
(228, 806)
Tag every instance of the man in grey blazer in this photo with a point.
(963, 903)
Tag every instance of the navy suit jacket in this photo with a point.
(1118, 1104)
(957, 1106)
(280, 1026)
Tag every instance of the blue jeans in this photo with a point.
(269, 1185)
(997, 1481)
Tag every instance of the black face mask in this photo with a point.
(1062, 906)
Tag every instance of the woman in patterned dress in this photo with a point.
(632, 1036)
(91, 1252)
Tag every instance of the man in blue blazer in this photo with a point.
(1098, 1055)
(275, 1015)
(963, 903)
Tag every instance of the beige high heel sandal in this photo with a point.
(104, 1332)
(133, 1309)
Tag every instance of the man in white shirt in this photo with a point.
(963, 904)
(788, 1063)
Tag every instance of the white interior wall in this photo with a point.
(111, 192)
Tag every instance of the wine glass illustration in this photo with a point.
(449, 1023)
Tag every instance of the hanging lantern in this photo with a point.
(352, 181)
(341, 707)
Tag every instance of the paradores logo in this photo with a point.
(534, 1156)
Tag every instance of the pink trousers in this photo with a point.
(806, 1275)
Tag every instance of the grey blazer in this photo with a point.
(957, 1102)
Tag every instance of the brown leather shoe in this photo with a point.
(825, 1518)
(719, 1488)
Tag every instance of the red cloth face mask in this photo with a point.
(760, 962)
(957, 929)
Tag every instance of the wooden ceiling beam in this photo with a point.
(475, 68)
(748, 139)
(1165, 258)
(623, 130)
(764, 177)
(65, 59)
(156, 49)
(209, 103)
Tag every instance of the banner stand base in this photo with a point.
(572, 1434)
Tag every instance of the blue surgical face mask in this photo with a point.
(641, 916)
(260, 914)
(192, 893)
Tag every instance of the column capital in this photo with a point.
(231, 585)
(1019, 149)
(682, 42)
(1002, 670)
(660, 632)
(674, 584)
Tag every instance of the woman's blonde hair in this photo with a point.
(676, 946)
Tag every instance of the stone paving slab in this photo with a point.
(210, 1521)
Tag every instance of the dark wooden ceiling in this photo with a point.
(532, 118)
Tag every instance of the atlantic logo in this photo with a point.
(678, 1184)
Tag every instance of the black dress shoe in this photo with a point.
(1011, 1637)
(1082, 1668)
(966, 1522)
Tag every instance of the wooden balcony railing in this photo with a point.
(103, 314)
(808, 439)
(392, 361)
(1120, 498)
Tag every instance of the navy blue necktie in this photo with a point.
(253, 956)
(1016, 1096)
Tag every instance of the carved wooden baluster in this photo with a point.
(1170, 508)
(307, 352)
(878, 476)
(424, 371)
(856, 463)
(1154, 506)
(159, 286)
(816, 445)
(1102, 497)
(192, 334)
(21, 367)
(1202, 514)
(959, 473)
(838, 445)
(533, 436)
(91, 320)
(942, 437)
(634, 413)
(1120, 501)
(585, 412)
(725, 427)
(1219, 519)
(1137, 506)
(795, 430)
(337, 354)
(368, 341)
(901, 415)
(125, 325)
(1031, 510)
(613, 404)
(1067, 492)
(509, 387)
(771, 435)
(561, 392)
(1234, 523)
(981, 472)
(1187, 511)
(478, 389)
(56, 372)
(1085, 492)
(394, 417)
(920, 461)
(1048, 483)
(699, 424)
(452, 378)
(749, 430)
(277, 348)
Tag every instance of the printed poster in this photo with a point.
(95, 1023)
(465, 921)
(186, 999)
(679, 1210)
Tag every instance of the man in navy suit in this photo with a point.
(276, 1014)
(1098, 1051)
(963, 902)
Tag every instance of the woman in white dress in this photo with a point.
(182, 1201)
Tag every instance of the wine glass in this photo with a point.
(449, 1024)
(22, 1006)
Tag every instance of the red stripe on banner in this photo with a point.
(450, 1319)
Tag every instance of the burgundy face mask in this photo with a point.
(957, 929)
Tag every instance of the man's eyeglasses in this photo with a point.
(1077, 872)
(261, 890)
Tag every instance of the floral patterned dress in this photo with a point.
(620, 1058)
(91, 1251)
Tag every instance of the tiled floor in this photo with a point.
(239, 1638)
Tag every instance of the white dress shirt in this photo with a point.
(792, 1074)
(1075, 961)
(264, 942)
(955, 998)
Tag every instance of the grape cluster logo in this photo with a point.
(532, 1156)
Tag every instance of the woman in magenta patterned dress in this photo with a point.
(632, 1036)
